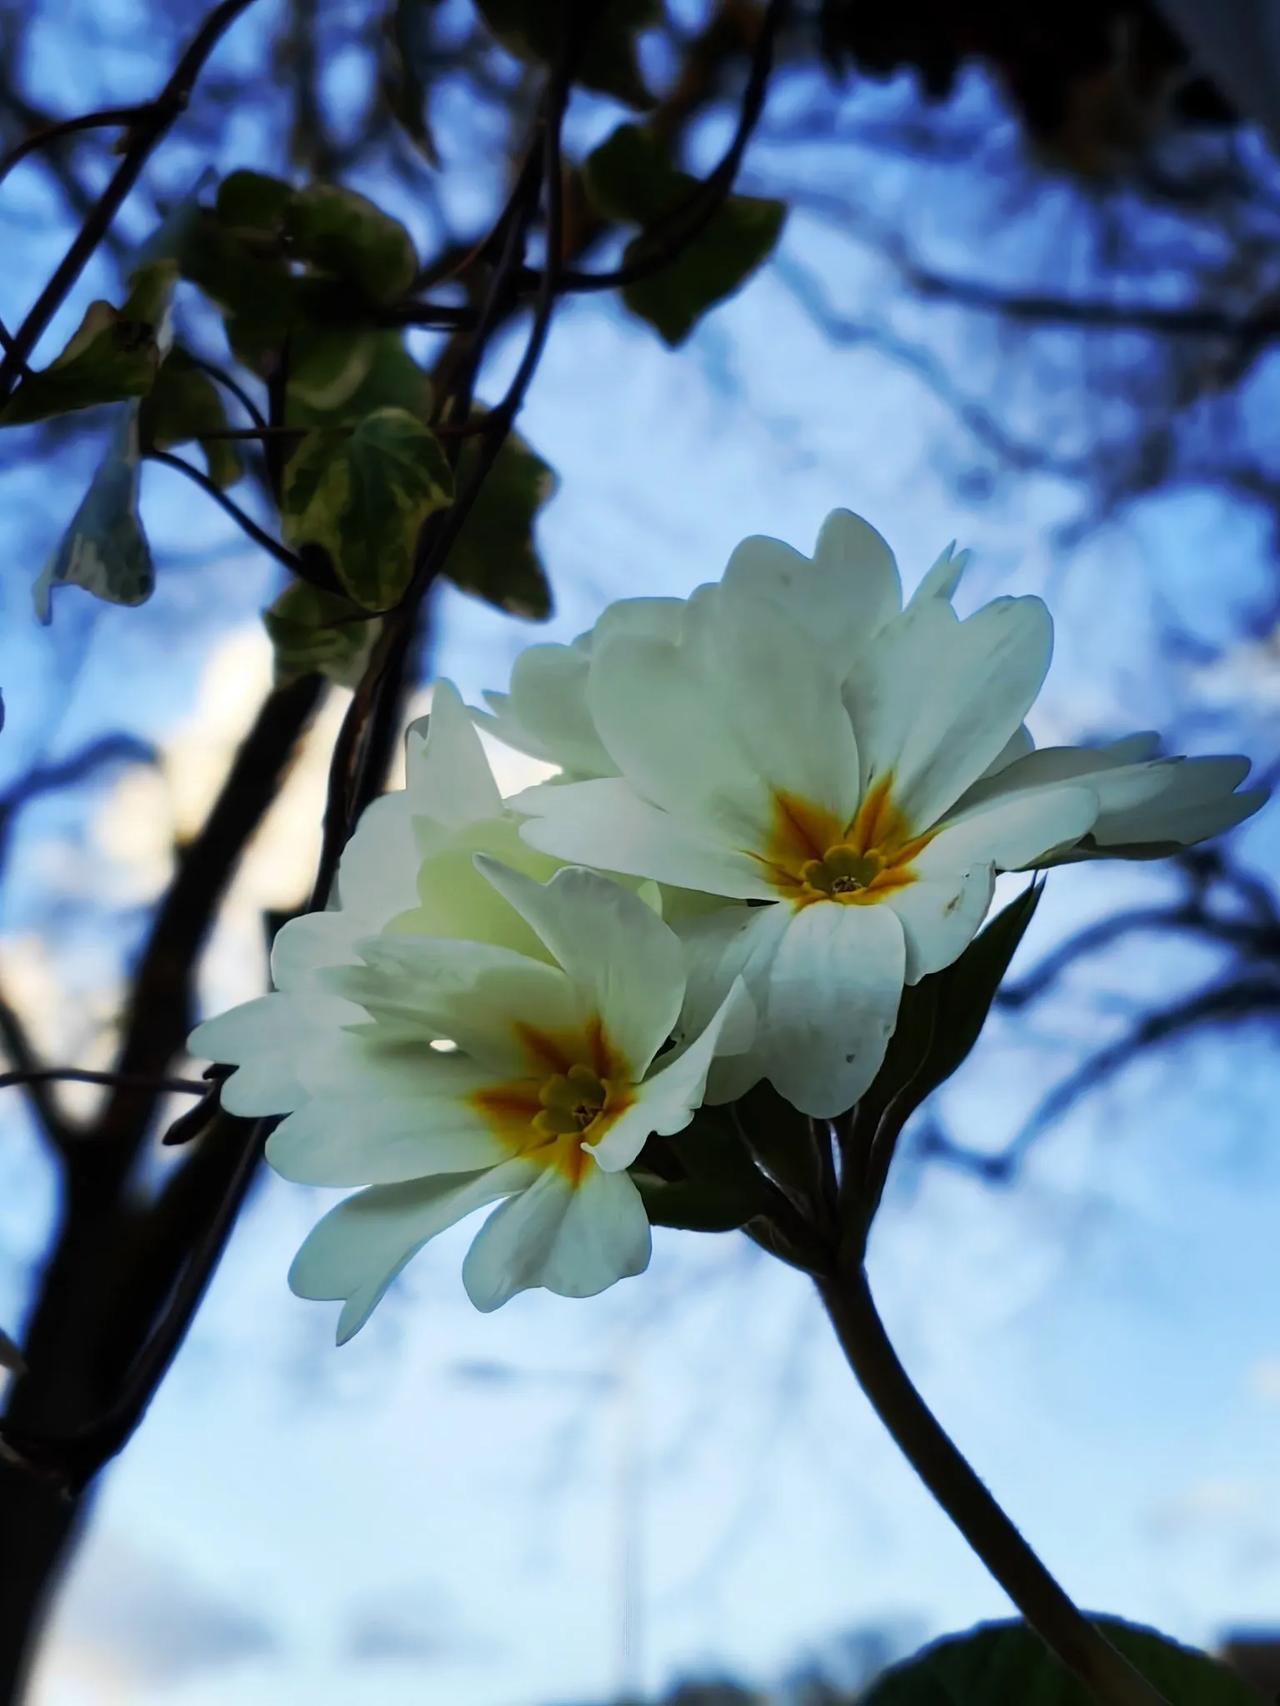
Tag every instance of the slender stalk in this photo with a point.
(147, 133)
(1079, 1644)
(119, 1080)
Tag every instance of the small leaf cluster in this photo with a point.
(263, 328)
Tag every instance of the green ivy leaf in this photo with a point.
(362, 495)
(115, 354)
(391, 379)
(494, 556)
(942, 1016)
(406, 47)
(184, 404)
(253, 201)
(530, 29)
(104, 550)
(630, 179)
(344, 233)
(316, 632)
(998, 1664)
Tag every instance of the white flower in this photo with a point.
(842, 595)
(1187, 799)
(862, 792)
(546, 1098)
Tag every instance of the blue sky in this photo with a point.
(568, 1499)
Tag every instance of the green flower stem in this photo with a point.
(1077, 1642)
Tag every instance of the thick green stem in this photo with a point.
(1077, 1642)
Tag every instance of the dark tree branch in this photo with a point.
(233, 386)
(308, 570)
(58, 130)
(29, 1071)
(87, 1075)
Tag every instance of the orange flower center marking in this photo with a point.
(576, 1088)
(812, 856)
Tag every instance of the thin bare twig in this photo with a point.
(147, 135)
(55, 131)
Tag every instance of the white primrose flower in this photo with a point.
(1190, 799)
(553, 1085)
(849, 806)
(842, 595)
(409, 868)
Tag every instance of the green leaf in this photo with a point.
(344, 233)
(251, 286)
(316, 632)
(720, 1189)
(530, 29)
(782, 1141)
(494, 556)
(391, 379)
(739, 237)
(185, 404)
(362, 495)
(406, 49)
(942, 1016)
(104, 550)
(630, 179)
(1000, 1664)
(115, 354)
(253, 201)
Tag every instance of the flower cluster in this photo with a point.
(781, 801)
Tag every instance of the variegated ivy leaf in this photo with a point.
(184, 404)
(361, 495)
(313, 632)
(105, 550)
(494, 556)
(115, 353)
(344, 233)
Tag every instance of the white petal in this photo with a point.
(359, 1247)
(834, 989)
(472, 992)
(576, 1242)
(647, 618)
(606, 824)
(944, 577)
(1197, 800)
(1009, 832)
(454, 900)
(620, 955)
(747, 704)
(666, 1102)
(363, 1139)
(840, 598)
(266, 1039)
(735, 942)
(776, 697)
(448, 775)
(1018, 745)
(940, 917)
(545, 713)
(938, 698)
(303, 946)
(378, 872)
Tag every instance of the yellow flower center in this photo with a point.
(812, 856)
(571, 1102)
(577, 1085)
(842, 870)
